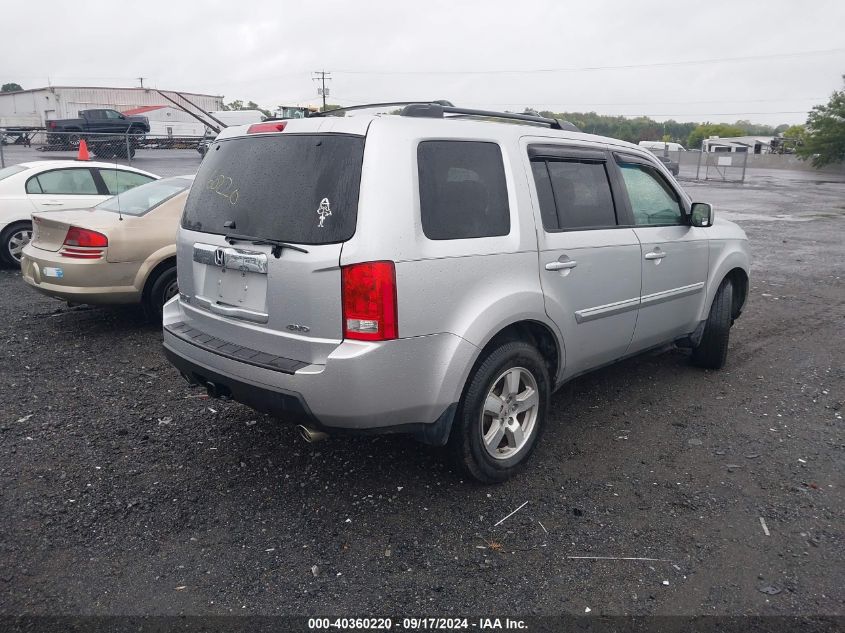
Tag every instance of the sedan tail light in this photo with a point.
(83, 244)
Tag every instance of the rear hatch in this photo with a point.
(298, 191)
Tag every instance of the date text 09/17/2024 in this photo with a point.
(416, 624)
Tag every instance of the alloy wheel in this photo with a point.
(509, 416)
(17, 241)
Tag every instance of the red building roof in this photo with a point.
(143, 109)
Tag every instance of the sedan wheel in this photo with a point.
(19, 240)
(14, 241)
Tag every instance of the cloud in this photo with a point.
(266, 52)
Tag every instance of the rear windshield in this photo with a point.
(298, 188)
(11, 170)
(139, 200)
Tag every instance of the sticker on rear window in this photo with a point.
(54, 272)
(324, 211)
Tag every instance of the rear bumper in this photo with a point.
(94, 281)
(405, 385)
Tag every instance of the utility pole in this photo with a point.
(141, 79)
(321, 76)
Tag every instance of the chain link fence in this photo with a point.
(722, 166)
(105, 146)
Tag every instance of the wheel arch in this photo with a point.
(739, 281)
(152, 271)
(538, 333)
(733, 265)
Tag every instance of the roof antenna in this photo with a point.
(117, 189)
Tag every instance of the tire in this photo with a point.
(161, 290)
(12, 240)
(491, 461)
(136, 134)
(712, 350)
(103, 150)
(72, 138)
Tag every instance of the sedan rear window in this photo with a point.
(144, 198)
(300, 188)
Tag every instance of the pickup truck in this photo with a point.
(99, 121)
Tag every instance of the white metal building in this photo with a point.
(32, 108)
(168, 120)
(735, 144)
(171, 121)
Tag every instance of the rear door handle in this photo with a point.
(655, 255)
(52, 204)
(561, 265)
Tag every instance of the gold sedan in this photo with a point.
(121, 251)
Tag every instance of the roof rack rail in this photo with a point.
(436, 110)
(367, 106)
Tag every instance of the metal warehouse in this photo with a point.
(31, 108)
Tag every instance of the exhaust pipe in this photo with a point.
(310, 435)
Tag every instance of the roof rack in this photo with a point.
(437, 110)
(368, 106)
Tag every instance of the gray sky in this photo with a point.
(399, 50)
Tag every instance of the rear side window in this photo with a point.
(118, 181)
(573, 194)
(63, 182)
(299, 188)
(463, 193)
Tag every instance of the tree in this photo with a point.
(824, 140)
(795, 132)
(706, 130)
(11, 87)
(754, 129)
(238, 104)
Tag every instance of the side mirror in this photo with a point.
(701, 214)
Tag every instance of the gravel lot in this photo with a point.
(126, 492)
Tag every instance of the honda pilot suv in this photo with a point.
(439, 272)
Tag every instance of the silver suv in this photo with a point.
(439, 272)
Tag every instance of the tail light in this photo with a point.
(85, 237)
(369, 301)
(83, 244)
(268, 126)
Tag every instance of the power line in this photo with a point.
(718, 60)
(629, 114)
(530, 102)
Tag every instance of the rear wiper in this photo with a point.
(277, 245)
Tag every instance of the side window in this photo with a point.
(118, 181)
(66, 182)
(653, 201)
(574, 194)
(462, 190)
(112, 114)
(33, 186)
(95, 115)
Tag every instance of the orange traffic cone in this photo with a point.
(83, 151)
